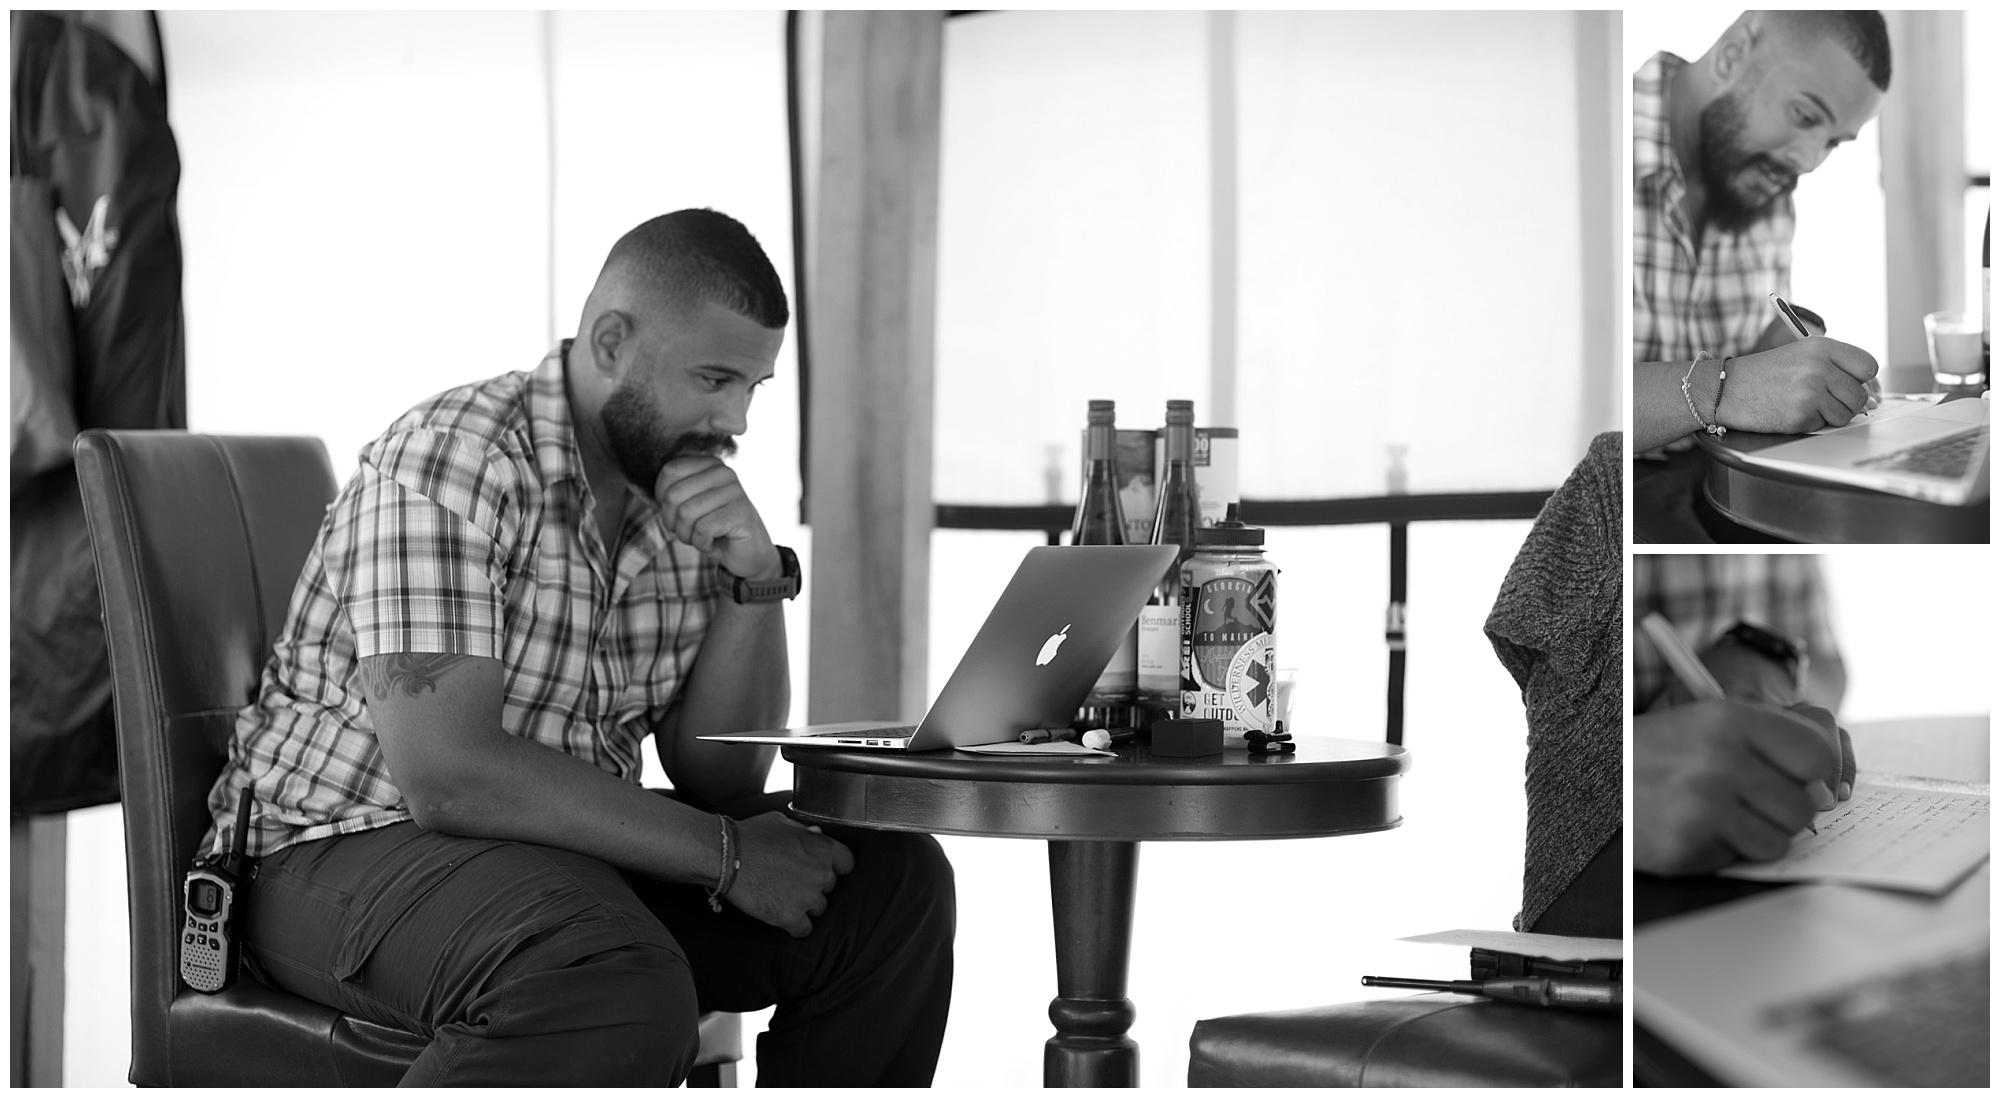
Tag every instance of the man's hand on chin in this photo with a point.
(706, 507)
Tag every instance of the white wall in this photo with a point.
(1915, 627)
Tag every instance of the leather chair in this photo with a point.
(1435, 1040)
(199, 540)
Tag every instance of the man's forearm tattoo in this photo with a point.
(407, 673)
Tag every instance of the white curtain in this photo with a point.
(1409, 248)
(378, 206)
(1408, 228)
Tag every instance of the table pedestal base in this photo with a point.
(1092, 885)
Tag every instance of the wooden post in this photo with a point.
(1923, 176)
(873, 252)
(1602, 134)
(1223, 231)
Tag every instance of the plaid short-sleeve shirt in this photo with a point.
(1703, 596)
(1683, 302)
(467, 530)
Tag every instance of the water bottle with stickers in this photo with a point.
(1229, 596)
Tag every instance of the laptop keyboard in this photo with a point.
(1947, 457)
(1920, 1027)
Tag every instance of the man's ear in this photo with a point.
(1734, 54)
(608, 335)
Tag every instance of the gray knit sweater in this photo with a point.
(1557, 627)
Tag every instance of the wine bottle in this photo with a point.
(1100, 520)
(1175, 520)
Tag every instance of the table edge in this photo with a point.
(1394, 761)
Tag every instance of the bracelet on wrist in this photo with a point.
(1688, 396)
(732, 860)
(1715, 410)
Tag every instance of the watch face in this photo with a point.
(1773, 645)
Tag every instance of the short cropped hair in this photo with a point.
(691, 257)
(1863, 34)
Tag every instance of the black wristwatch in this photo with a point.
(772, 590)
(1781, 649)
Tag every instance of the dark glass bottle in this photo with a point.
(1175, 520)
(1100, 520)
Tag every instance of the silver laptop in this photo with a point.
(1824, 986)
(1043, 645)
(1936, 452)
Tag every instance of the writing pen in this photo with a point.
(1792, 320)
(1798, 327)
(1690, 670)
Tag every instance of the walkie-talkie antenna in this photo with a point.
(239, 839)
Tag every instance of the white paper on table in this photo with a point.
(1556, 947)
(1888, 836)
(1892, 407)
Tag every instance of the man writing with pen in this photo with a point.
(1736, 750)
(1718, 144)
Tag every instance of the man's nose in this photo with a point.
(1805, 154)
(732, 416)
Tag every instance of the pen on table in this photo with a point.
(1682, 660)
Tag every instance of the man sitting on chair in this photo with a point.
(526, 577)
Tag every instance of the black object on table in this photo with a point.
(1094, 811)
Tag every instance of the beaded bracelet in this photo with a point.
(1689, 397)
(732, 860)
(1721, 376)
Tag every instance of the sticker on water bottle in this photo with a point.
(1251, 685)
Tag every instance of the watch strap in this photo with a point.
(1780, 648)
(786, 586)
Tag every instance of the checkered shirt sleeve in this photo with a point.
(463, 531)
(409, 552)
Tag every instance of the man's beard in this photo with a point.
(641, 441)
(1722, 160)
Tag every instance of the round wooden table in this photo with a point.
(1806, 509)
(1094, 811)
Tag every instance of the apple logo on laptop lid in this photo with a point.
(1049, 646)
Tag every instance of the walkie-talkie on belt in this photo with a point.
(211, 948)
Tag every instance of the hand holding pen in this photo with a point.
(1796, 319)
(1696, 677)
(1719, 781)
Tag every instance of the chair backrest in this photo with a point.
(199, 540)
